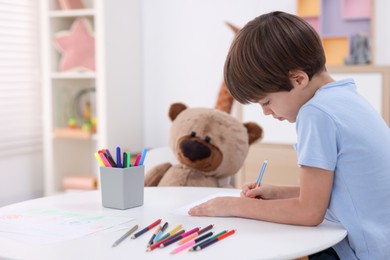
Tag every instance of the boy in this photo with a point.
(343, 147)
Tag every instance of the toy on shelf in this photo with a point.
(82, 111)
(77, 47)
(71, 4)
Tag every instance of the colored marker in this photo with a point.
(128, 233)
(157, 244)
(143, 155)
(190, 237)
(261, 174)
(137, 159)
(160, 232)
(180, 237)
(128, 159)
(108, 153)
(146, 229)
(170, 233)
(219, 238)
(104, 159)
(191, 243)
(154, 235)
(101, 163)
(110, 160)
(118, 157)
(211, 238)
(124, 159)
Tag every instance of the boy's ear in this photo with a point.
(299, 78)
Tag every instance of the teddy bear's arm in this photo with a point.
(154, 175)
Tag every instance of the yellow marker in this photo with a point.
(101, 163)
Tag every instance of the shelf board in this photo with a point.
(71, 13)
(73, 75)
(69, 133)
(363, 68)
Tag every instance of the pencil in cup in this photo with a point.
(191, 243)
(219, 238)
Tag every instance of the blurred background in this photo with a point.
(81, 75)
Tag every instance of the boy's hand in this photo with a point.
(220, 206)
(264, 191)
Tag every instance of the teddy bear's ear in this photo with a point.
(234, 28)
(255, 132)
(175, 110)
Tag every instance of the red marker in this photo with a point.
(137, 160)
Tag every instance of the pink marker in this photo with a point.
(104, 159)
(137, 159)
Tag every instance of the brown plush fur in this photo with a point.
(209, 144)
(224, 99)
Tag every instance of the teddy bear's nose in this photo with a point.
(194, 150)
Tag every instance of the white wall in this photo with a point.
(381, 32)
(21, 178)
(184, 47)
(185, 43)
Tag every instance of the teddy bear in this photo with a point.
(209, 144)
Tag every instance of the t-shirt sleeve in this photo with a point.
(317, 139)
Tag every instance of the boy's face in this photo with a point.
(283, 105)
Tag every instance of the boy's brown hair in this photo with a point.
(266, 50)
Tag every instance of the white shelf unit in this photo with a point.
(117, 83)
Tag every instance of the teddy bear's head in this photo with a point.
(209, 140)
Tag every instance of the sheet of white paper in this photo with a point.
(43, 226)
(184, 210)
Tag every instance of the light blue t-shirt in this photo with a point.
(338, 130)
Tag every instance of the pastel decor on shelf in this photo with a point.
(77, 47)
(71, 4)
(336, 49)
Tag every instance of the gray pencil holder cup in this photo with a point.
(122, 188)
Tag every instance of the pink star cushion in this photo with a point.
(77, 47)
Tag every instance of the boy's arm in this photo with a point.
(308, 209)
(269, 192)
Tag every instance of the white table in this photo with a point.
(253, 239)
